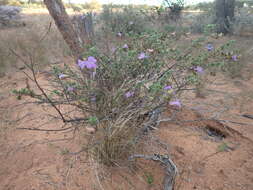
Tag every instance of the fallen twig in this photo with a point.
(36, 129)
(248, 116)
(170, 171)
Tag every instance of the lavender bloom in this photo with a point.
(62, 76)
(70, 89)
(125, 46)
(142, 55)
(90, 63)
(199, 69)
(129, 94)
(209, 47)
(92, 59)
(81, 63)
(234, 58)
(167, 88)
(175, 103)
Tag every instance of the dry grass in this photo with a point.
(27, 39)
(5, 123)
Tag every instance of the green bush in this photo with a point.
(243, 23)
(169, 28)
(201, 22)
(204, 6)
(127, 20)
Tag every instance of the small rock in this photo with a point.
(90, 130)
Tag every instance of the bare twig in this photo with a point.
(170, 171)
(36, 129)
(248, 116)
(34, 78)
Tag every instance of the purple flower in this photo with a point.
(90, 63)
(235, 58)
(62, 76)
(70, 89)
(125, 46)
(81, 63)
(198, 69)
(175, 103)
(91, 59)
(167, 88)
(142, 55)
(129, 94)
(209, 47)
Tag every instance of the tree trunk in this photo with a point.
(224, 15)
(64, 24)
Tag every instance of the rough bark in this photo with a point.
(224, 15)
(65, 26)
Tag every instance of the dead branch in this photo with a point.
(36, 129)
(248, 116)
(34, 78)
(170, 170)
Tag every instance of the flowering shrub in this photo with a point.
(115, 93)
(203, 22)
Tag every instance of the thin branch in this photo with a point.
(170, 171)
(47, 32)
(248, 116)
(36, 129)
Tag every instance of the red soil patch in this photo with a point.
(211, 144)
